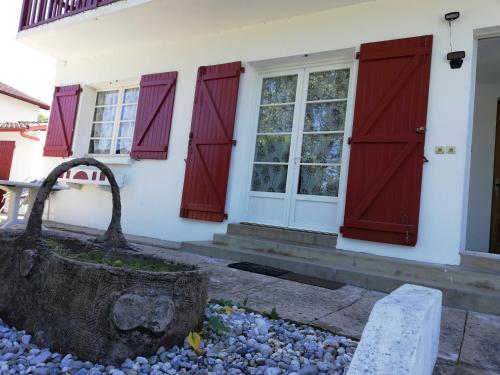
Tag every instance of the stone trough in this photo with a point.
(100, 312)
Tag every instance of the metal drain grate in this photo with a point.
(285, 275)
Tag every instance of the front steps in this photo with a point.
(480, 261)
(314, 254)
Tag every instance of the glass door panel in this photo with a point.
(323, 133)
(274, 134)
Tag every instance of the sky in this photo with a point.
(23, 67)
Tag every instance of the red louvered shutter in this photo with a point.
(387, 145)
(210, 142)
(154, 116)
(62, 121)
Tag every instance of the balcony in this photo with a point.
(81, 29)
(39, 12)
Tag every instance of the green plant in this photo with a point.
(217, 325)
(243, 304)
(108, 258)
(272, 315)
(42, 118)
(222, 302)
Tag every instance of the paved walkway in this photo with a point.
(469, 344)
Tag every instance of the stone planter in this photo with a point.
(99, 312)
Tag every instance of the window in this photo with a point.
(301, 132)
(114, 122)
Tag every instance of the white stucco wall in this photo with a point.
(12, 109)
(482, 164)
(27, 158)
(152, 195)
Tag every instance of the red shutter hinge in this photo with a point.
(425, 159)
(225, 216)
(234, 141)
(349, 140)
(242, 69)
(341, 229)
(358, 55)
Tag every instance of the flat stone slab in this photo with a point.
(302, 303)
(402, 334)
(481, 346)
(444, 367)
(452, 333)
(236, 285)
(351, 320)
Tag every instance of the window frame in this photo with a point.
(116, 121)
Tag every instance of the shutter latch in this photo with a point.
(234, 142)
(420, 130)
(349, 140)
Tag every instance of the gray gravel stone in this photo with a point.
(255, 345)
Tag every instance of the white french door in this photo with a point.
(297, 159)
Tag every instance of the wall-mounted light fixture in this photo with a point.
(456, 58)
(452, 16)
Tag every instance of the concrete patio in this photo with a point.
(469, 344)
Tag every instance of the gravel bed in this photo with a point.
(254, 345)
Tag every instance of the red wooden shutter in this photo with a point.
(62, 121)
(210, 142)
(387, 145)
(6, 156)
(154, 116)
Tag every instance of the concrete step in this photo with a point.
(283, 234)
(362, 262)
(460, 295)
(476, 260)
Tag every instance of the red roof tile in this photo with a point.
(22, 125)
(12, 92)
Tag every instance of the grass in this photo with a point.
(79, 251)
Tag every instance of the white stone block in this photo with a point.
(402, 334)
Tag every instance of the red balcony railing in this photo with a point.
(38, 12)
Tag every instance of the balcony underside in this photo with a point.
(126, 23)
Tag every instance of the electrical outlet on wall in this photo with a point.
(439, 150)
(452, 150)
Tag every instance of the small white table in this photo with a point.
(15, 190)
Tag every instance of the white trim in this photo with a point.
(346, 150)
(484, 33)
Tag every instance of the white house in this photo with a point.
(21, 135)
(337, 116)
